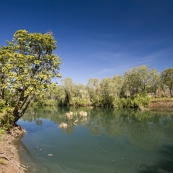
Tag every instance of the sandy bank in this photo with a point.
(162, 103)
(9, 158)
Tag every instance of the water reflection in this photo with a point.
(102, 141)
(143, 129)
(164, 164)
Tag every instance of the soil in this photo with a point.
(9, 158)
(167, 104)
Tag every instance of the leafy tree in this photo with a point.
(155, 81)
(27, 66)
(137, 79)
(68, 85)
(93, 89)
(106, 91)
(60, 95)
(110, 89)
(118, 82)
(167, 79)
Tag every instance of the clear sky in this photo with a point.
(97, 38)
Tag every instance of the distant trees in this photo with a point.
(110, 89)
(154, 82)
(75, 94)
(167, 79)
(93, 89)
(131, 90)
(68, 86)
(140, 79)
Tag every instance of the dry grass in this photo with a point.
(2, 161)
(162, 99)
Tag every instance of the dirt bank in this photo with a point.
(9, 159)
(162, 103)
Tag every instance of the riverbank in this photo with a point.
(9, 158)
(165, 103)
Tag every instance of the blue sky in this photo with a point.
(97, 38)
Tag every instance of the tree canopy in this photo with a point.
(27, 66)
(167, 78)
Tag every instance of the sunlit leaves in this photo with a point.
(27, 64)
(139, 79)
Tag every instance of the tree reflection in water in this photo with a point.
(135, 141)
(145, 130)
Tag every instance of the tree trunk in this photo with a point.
(16, 114)
(19, 111)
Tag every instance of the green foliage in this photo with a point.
(7, 118)
(27, 65)
(154, 82)
(1, 131)
(2, 104)
(140, 100)
(104, 92)
(68, 87)
(139, 79)
(77, 101)
(126, 102)
(167, 79)
(44, 102)
(130, 91)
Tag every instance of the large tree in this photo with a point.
(167, 79)
(137, 79)
(155, 81)
(110, 89)
(27, 66)
(93, 89)
(68, 86)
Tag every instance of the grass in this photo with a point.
(2, 161)
(1, 133)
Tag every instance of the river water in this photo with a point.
(104, 141)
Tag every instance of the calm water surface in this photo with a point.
(106, 141)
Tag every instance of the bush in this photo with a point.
(6, 118)
(140, 100)
(43, 102)
(124, 103)
(2, 105)
(77, 101)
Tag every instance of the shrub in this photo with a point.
(2, 105)
(141, 100)
(6, 118)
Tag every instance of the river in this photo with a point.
(104, 141)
